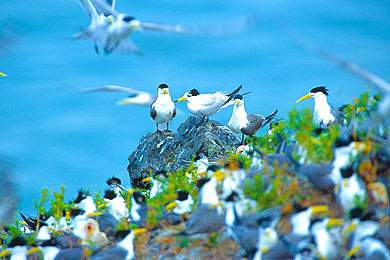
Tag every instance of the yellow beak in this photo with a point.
(181, 99)
(219, 204)
(139, 231)
(334, 222)
(94, 214)
(5, 253)
(125, 101)
(219, 175)
(148, 179)
(171, 206)
(319, 209)
(33, 250)
(237, 102)
(345, 183)
(351, 252)
(166, 91)
(305, 97)
(3, 74)
(111, 20)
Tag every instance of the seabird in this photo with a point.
(116, 205)
(162, 110)
(85, 202)
(208, 216)
(95, 238)
(207, 105)
(18, 249)
(136, 97)
(324, 114)
(97, 30)
(157, 183)
(244, 123)
(138, 210)
(122, 250)
(351, 191)
(181, 206)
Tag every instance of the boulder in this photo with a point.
(169, 151)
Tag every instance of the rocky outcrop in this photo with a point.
(169, 151)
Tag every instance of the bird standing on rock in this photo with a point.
(162, 109)
(324, 114)
(207, 105)
(244, 123)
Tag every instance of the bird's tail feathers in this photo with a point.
(233, 94)
(269, 118)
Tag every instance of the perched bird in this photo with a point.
(122, 250)
(162, 110)
(116, 205)
(85, 202)
(351, 192)
(324, 114)
(136, 97)
(208, 216)
(94, 238)
(244, 123)
(182, 205)
(97, 30)
(18, 249)
(157, 183)
(207, 105)
(138, 210)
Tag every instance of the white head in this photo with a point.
(318, 93)
(163, 90)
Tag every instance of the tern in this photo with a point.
(136, 97)
(157, 183)
(182, 205)
(97, 30)
(139, 208)
(324, 114)
(207, 105)
(244, 123)
(162, 110)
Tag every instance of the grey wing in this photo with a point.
(246, 237)
(89, 8)
(269, 217)
(107, 88)
(318, 175)
(113, 252)
(71, 254)
(255, 123)
(127, 46)
(197, 224)
(174, 112)
(164, 27)
(339, 117)
(104, 7)
(153, 111)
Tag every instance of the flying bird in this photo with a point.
(244, 123)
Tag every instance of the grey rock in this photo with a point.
(169, 151)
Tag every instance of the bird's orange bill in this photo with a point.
(171, 206)
(33, 250)
(351, 252)
(334, 222)
(125, 101)
(94, 214)
(3, 74)
(148, 179)
(319, 209)
(181, 99)
(139, 231)
(5, 253)
(305, 97)
(166, 91)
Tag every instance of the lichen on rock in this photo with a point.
(169, 151)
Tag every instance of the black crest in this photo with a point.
(320, 89)
(356, 212)
(298, 207)
(17, 241)
(347, 172)
(113, 181)
(109, 194)
(232, 197)
(340, 142)
(120, 234)
(75, 212)
(82, 195)
(194, 92)
(202, 182)
(214, 168)
(139, 198)
(182, 195)
(128, 18)
(162, 86)
(238, 97)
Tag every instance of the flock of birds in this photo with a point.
(89, 230)
(110, 29)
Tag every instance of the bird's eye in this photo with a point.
(128, 18)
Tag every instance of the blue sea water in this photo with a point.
(56, 136)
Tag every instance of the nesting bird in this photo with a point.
(244, 123)
(207, 105)
(324, 114)
(162, 110)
